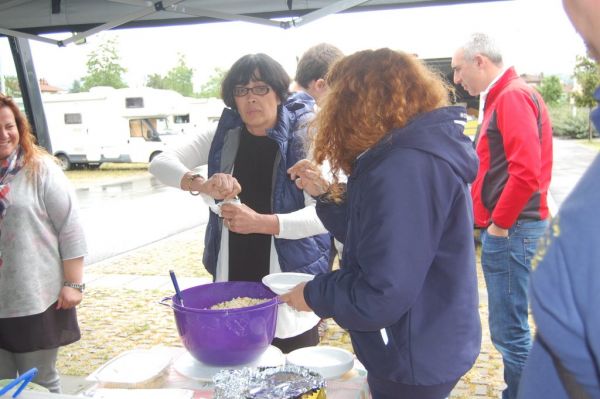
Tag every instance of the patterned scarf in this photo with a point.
(9, 167)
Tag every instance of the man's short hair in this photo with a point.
(315, 63)
(480, 43)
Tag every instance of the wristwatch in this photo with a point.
(79, 287)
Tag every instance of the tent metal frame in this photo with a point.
(24, 20)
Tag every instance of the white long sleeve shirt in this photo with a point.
(170, 166)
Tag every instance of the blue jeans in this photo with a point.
(506, 263)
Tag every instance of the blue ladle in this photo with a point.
(176, 285)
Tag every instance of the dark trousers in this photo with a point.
(385, 389)
(307, 338)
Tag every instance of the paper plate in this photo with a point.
(280, 283)
(189, 367)
(329, 361)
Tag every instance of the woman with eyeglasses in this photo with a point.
(260, 135)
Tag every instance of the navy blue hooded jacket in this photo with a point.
(407, 288)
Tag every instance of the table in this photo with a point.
(352, 385)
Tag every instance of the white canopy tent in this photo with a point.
(31, 18)
(24, 20)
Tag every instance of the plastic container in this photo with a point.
(225, 337)
(137, 368)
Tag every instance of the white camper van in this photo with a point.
(112, 125)
(203, 112)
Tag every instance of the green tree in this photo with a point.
(178, 78)
(11, 86)
(551, 90)
(75, 87)
(212, 87)
(587, 75)
(156, 81)
(103, 68)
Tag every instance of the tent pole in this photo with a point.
(30, 90)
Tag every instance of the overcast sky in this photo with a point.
(535, 36)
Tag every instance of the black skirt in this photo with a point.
(51, 329)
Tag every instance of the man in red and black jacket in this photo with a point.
(514, 145)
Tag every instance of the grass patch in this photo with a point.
(124, 166)
(111, 324)
(158, 258)
(107, 172)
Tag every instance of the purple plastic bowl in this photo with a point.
(228, 337)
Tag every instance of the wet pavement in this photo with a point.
(126, 214)
(571, 159)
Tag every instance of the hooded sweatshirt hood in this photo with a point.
(440, 133)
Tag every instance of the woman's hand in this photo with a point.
(69, 298)
(308, 177)
(73, 271)
(295, 298)
(242, 219)
(221, 186)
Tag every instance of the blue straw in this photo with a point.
(23, 379)
(177, 291)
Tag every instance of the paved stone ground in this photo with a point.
(120, 312)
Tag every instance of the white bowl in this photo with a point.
(329, 361)
(281, 283)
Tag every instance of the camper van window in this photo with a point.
(161, 126)
(182, 118)
(72, 119)
(138, 129)
(144, 128)
(134, 102)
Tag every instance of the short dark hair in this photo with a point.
(257, 67)
(315, 63)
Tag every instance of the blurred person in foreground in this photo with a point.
(311, 72)
(310, 77)
(259, 136)
(514, 145)
(42, 246)
(407, 287)
(565, 286)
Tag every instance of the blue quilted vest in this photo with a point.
(306, 255)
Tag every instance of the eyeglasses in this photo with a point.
(241, 91)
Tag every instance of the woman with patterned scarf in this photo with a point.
(42, 246)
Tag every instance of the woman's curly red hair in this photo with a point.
(370, 93)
